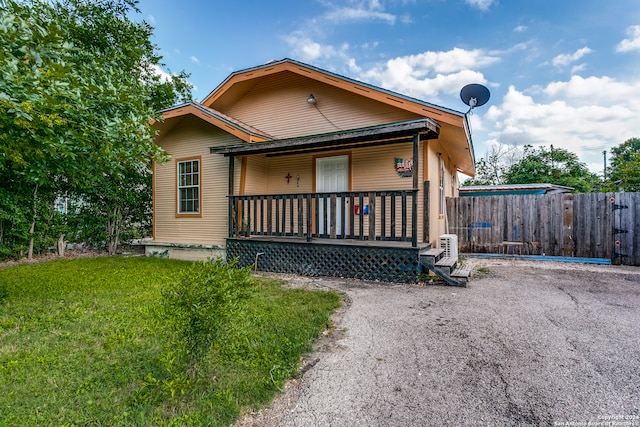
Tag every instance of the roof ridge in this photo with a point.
(336, 75)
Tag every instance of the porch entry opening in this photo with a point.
(332, 176)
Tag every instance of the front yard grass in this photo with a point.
(86, 342)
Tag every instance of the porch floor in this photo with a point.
(340, 242)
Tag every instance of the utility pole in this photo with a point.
(604, 173)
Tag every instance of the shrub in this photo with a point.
(4, 292)
(201, 300)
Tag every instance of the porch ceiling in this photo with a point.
(383, 134)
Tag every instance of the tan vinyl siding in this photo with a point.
(438, 223)
(300, 165)
(255, 175)
(278, 105)
(190, 138)
(372, 169)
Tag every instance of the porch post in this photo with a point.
(231, 215)
(414, 199)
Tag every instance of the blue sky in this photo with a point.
(560, 72)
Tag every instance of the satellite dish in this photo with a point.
(474, 95)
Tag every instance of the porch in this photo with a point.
(383, 216)
(332, 230)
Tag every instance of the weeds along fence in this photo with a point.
(590, 225)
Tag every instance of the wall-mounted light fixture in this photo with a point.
(311, 99)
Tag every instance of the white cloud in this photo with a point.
(406, 19)
(426, 75)
(633, 42)
(361, 11)
(583, 115)
(566, 59)
(515, 48)
(593, 90)
(195, 59)
(451, 61)
(402, 81)
(577, 68)
(353, 67)
(429, 74)
(520, 29)
(481, 4)
(308, 49)
(164, 76)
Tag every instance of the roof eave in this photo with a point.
(426, 127)
(214, 119)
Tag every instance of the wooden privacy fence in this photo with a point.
(590, 225)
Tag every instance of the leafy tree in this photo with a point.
(552, 166)
(491, 168)
(34, 95)
(624, 173)
(115, 207)
(79, 88)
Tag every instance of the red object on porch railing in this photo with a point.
(358, 215)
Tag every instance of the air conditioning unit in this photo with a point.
(449, 242)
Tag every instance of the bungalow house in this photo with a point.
(297, 169)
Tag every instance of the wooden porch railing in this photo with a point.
(359, 215)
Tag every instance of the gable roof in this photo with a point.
(239, 82)
(234, 126)
(455, 135)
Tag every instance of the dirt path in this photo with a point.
(524, 344)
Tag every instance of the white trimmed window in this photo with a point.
(189, 187)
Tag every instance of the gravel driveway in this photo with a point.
(549, 344)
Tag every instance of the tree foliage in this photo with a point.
(551, 166)
(624, 173)
(491, 168)
(78, 91)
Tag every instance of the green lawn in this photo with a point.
(86, 342)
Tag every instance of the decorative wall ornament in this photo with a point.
(404, 167)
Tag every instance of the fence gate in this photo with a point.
(593, 222)
(625, 228)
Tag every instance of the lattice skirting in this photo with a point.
(362, 262)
